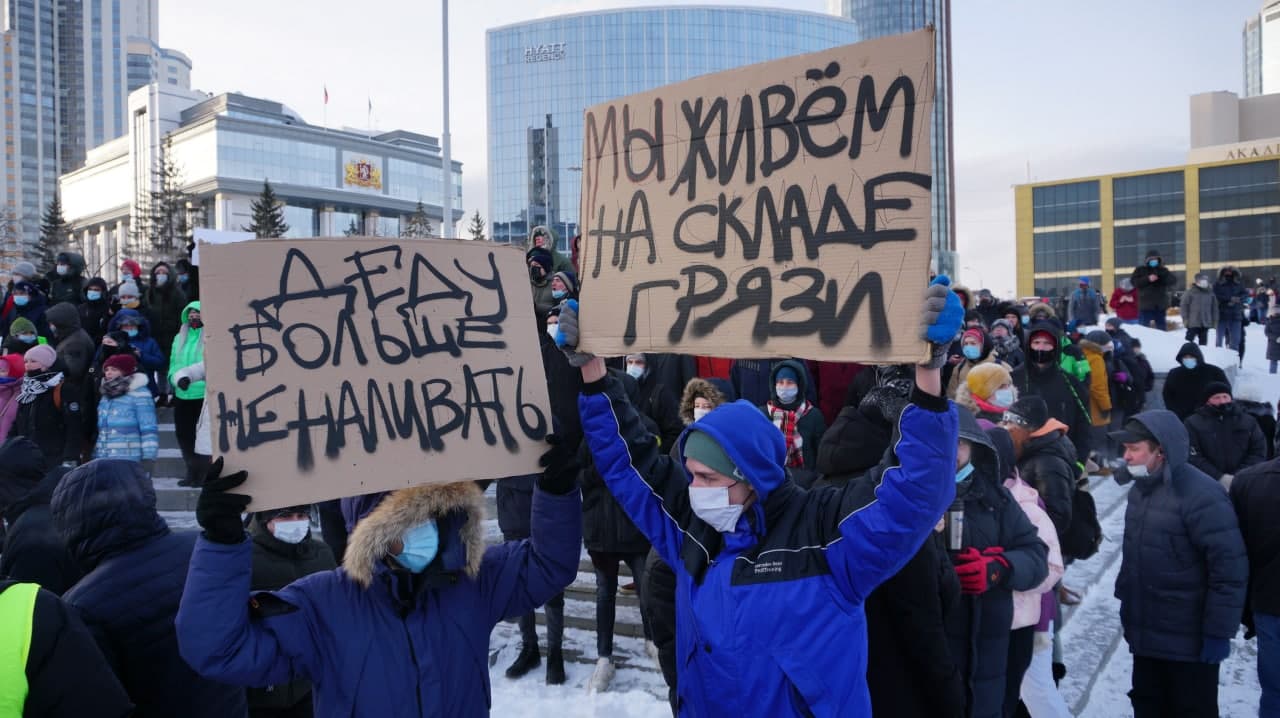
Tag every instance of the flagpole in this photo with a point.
(447, 168)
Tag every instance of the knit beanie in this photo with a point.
(1213, 388)
(26, 269)
(1029, 412)
(701, 447)
(266, 516)
(97, 283)
(976, 333)
(124, 362)
(42, 354)
(570, 282)
(21, 325)
(787, 372)
(984, 379)
(128, 289)
(1099, 337)
(543, 258)
(134, 269)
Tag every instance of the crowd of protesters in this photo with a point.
(804, 537)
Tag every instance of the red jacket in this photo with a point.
(714, 367)
(1128, 308)
(831, 382)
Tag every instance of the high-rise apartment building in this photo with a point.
(67, 68)
(878, 18)
(1260, 42)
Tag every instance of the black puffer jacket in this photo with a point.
(277, 564)
(67, 287)
(1184, 570)
(978, 627)
(164, 307)
(605, 526)
(907, 646)
(1255, 493)
(33, 550)
(136, 568)
(66, 674)
(1067, 398)
(52, 420)
(1153, 296)
(75, 346)
(1224, 440)
(1048, 465)
(95, 315)
(658, 601)
(1184, 388)
(855, 444)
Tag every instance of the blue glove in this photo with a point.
(1215, 650)
(567, 334)
(941, 319)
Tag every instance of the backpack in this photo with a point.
(1084, 536)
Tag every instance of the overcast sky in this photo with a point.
(1043, 89)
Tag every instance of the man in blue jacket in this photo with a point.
(1183, 574)
(770, 578)
(402, 628)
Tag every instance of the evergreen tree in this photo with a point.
(54, 235)
(352, 230)
(162, 225)
(268, 215)
(477, 226)
(418, 225)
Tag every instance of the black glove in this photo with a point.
(184, 382)
(217, 511)
(560, 465)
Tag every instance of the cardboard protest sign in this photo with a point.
(780, 209)
(204, 235)
(339, 367)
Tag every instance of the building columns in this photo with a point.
(326, 222)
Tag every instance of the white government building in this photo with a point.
(225, 146)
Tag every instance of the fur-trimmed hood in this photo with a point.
(1041, 307)
(458, 509)
(698, 389)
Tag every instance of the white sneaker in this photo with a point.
(602, 676)
(651, 648)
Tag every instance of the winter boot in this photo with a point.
(602, 676)
(530, 657)
(555, 667)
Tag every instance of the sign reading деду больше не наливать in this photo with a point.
(339, 367)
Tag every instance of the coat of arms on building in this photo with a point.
(362, 173)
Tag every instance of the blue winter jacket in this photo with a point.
(105, 512)
(127, 424)
(769, 617)
(376, 640)
(1184, 572)
(151, 358)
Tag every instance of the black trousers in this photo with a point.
(1022, 643)
(1201, 335)
(186, 414)
(1173, 689)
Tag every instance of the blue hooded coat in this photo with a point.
(769, 616)
(376, 640)
(106, 514)
(1184, 572)
(150, 356)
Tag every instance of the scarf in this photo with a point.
(787, 421)
(117, 387)
(33, 386)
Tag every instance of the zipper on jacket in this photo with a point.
(413, 656)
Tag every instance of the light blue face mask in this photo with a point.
(557, 294)
(93, 295)
(1026, 319)
(21, 300)
(421, 543)
(131, 332)
(972, 353)
(1190, 362)
(964, 472)
(1153, 263)
(788, 394)
(1003, 398)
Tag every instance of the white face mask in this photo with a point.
(291, 531)
(1139, 472)
(699, 413)
(711, 504)
(1003, 398)
(636, 371)
(551, 330)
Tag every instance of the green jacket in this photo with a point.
(1073, 366)
(188, 349)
